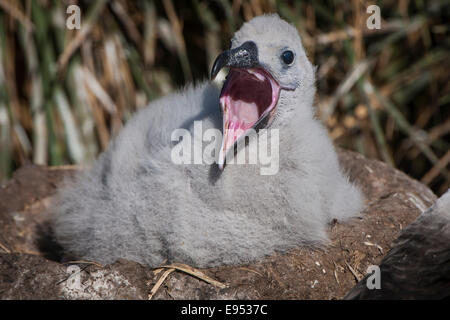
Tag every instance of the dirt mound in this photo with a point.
(27, 272)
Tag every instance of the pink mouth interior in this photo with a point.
(247, 96)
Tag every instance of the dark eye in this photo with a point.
(287, 56)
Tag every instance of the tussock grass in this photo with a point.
(64, 93)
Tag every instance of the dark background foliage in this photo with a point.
(64, 93)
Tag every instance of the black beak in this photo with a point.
(245, 56)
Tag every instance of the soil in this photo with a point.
(29, 267)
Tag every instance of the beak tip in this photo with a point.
(244, 56)
(220, 164)
(221, 159)
(214, 71)
(221, 61)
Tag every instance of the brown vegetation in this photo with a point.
(65, 93)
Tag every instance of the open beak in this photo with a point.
(249, 95)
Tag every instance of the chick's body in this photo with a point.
(136, 203)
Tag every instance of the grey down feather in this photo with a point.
(136, 203)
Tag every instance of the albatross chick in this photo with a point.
(139, 204)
